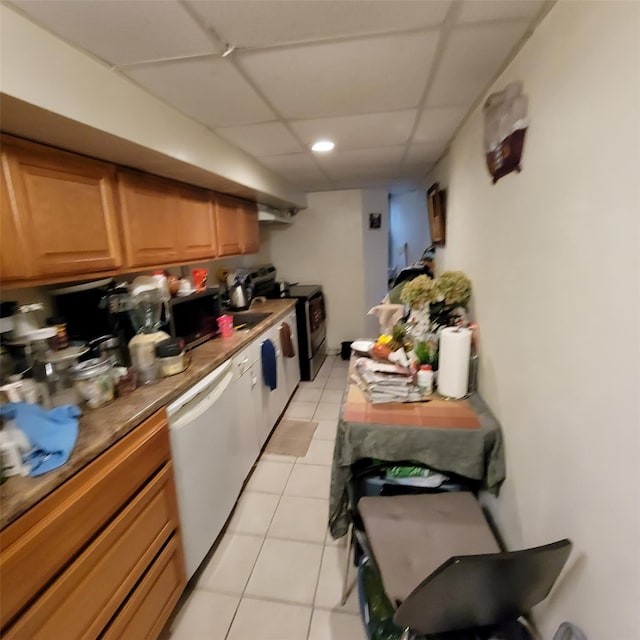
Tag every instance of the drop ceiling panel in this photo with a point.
(209, 90)
(438, 124)
(265, 23)
(359, 132)
(481, 10)
(291, 163)
(122, 32)
(343, 78)
(424, 152)
(472, 57)
(266, 139)
(352, 71)
(369, 159)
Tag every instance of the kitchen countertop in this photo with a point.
(100, 428)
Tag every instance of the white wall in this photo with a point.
(375, 247)
(410, 224)
(553, 254)
(326, 245)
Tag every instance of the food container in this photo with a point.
(108, 347)
(94, 381)
(58, 380)
(126, 382)
(171, 357)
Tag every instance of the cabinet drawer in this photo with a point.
(44, 540)
(91, 590)
(151, 604)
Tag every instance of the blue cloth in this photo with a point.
(269, 371)
(52, 434)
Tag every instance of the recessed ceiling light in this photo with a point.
(322, 145)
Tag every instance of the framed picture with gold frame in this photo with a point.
(436, 210)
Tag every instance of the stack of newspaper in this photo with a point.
(384, 382)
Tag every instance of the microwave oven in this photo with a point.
(195, 317)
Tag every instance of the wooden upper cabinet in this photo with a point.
(150, 219)
(198, 234)
(228, 225)
(14, 256)
(249, 228)
(66, 209)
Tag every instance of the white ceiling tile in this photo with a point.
(438, 124)
(479, 10)
(342, 78)
(424, 152)
(358, 132)
(122, 32)
(417, 171)
(264, 22)
(291, 162)
(361, 159)
(266, 139)
(473, 55)
(377, 184)
(315, 81)
(209, 90)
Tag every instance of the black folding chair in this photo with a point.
(442, 568)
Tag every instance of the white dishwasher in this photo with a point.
(205, 458)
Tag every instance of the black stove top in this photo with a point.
(264, 281)
(303, 291)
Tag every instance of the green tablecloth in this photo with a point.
(473, 453)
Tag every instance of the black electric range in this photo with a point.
(310, 315)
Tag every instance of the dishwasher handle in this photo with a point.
(195, 406)
(193, 410)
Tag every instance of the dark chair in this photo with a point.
(442, 568)
(368, 479)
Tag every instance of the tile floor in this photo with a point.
(277, 573)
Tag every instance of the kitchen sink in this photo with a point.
(248, 319)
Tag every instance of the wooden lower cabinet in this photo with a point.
(151, 604)
(88, 584)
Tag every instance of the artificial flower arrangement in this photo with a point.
(435, 304)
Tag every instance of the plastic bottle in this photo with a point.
(425, 379)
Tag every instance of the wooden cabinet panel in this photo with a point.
(228, 226)
(14, 256)
(66, 204)
(88, 594)
(39, 544)
(250, 229)
(150, 606)
(198, 234)
(150, 219)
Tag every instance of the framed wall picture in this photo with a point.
(436, 209)
(375, 220)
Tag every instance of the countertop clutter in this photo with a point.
(101, 428)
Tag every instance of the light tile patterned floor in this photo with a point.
(277, 574)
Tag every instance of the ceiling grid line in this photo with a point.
(391, 82)
(447, 26)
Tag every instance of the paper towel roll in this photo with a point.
(453, 362)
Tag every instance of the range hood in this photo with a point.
(270, 215)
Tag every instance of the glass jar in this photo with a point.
(94, 381)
